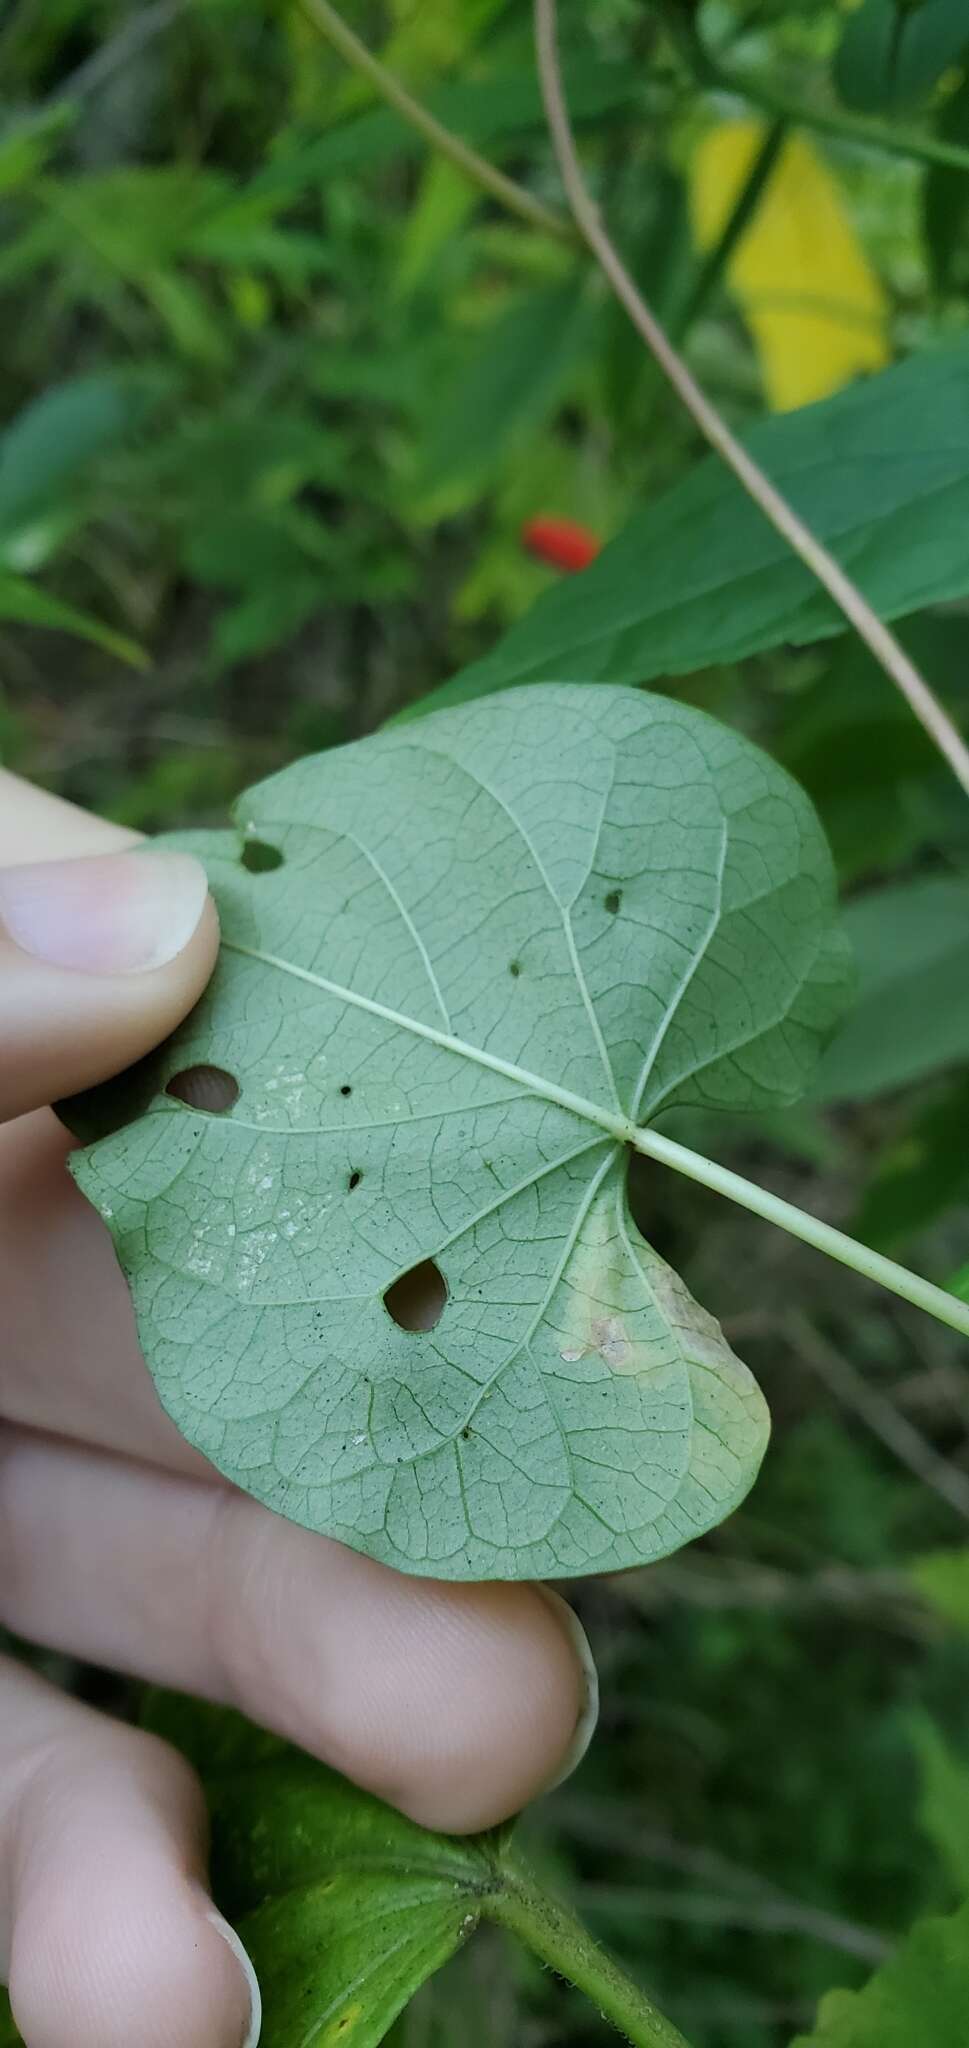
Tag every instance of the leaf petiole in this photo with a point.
(565, 1946)
(947, 1308)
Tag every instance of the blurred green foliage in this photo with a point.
(280, 389)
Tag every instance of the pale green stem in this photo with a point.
(823, 1236)
(947, 1307)
(888, 652)
(514, 197)
(565, 1946)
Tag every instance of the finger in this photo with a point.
(37, 826)
(455, 1703)
(107, 1936)
(54, 1251)
(69, 1355)
(100, 957)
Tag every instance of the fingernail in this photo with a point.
(585, 1726)
(231, 1939)
(110, 913)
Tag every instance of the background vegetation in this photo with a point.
(281, 390)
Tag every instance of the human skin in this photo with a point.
(120, 1544)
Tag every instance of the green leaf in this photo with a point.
(942, 1578)
(893, 52)
(9, 2037)
(512, 379)
(958, 1282)
(944, 1800)
(945, 200)
(880, 472)
(920, 1997)
(494, 942)
(23, 602)
(920, 1175)
(484, 112)
(912, 1016)
(344, 1906)
(881, 787)
(54, 438)
(26, 142)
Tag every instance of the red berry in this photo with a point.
(561, 542)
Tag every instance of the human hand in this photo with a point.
(119, 1544)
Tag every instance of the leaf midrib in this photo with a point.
(616, 1124)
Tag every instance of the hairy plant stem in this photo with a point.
(477, 168)
(565, 1946)
(888, 651)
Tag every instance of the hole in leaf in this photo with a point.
(355, 1179)
(208, 1088)
(514, 969)
(346, 1089)
(260, 858)
(613, 900)
(416, 1301)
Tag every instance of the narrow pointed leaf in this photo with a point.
(462, 961)
(879, 471)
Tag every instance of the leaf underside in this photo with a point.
(495, 942)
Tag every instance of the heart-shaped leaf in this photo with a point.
(345, 1906)
(462, 962)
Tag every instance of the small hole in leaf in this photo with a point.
(514, 969)
(465, 1433)
(613, 900)
(208, 1088)
(260, 858)
(416, 1301)
(346, 1089)
(355, 1179)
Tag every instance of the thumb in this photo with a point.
(100, 957)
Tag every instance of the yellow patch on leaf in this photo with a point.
(812, 302)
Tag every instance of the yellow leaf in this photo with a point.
(815, 308)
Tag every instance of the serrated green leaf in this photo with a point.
(494, 943)
(920, 1997)
(912, 1014)
(881, 474)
